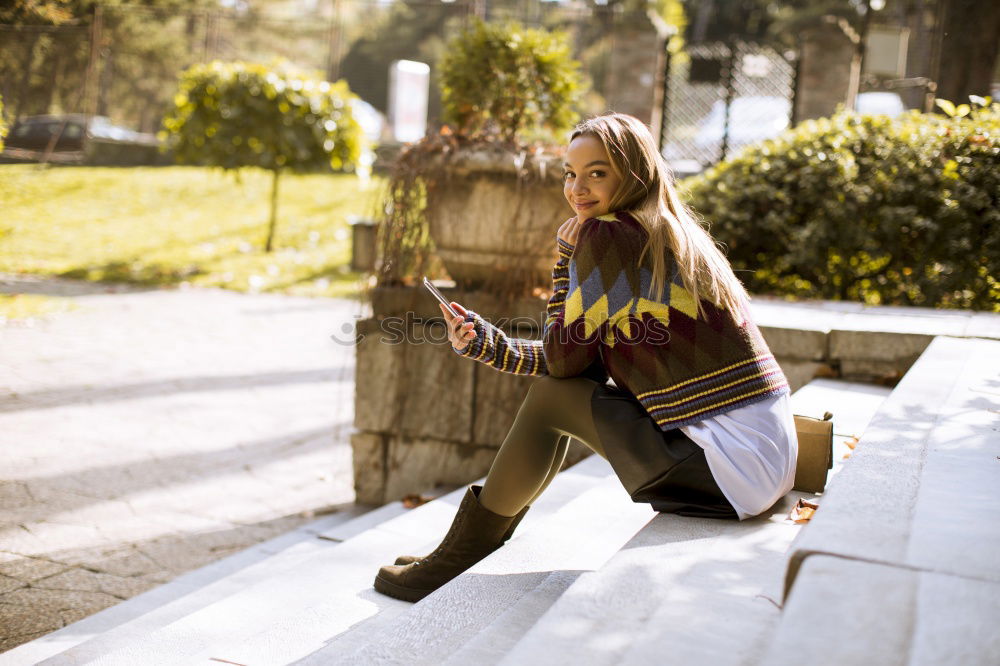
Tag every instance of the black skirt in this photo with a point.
(666, 469)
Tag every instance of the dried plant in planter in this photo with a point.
(483, 194)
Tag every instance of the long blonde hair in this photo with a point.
(647, 192)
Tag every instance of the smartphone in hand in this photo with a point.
(440, 297)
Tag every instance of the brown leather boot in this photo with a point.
(475, 533)
(407, 559)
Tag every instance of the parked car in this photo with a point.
(81, 139)
(72, 131)
(751, 119)
(371, 120)
(874, 103)
(35, 133)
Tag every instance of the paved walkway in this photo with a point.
(149, 432)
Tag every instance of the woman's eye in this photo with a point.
(567, 175)
(597, 174)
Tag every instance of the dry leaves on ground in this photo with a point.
(803, 511)
(851, 443)
(414, 500)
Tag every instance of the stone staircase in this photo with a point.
(592, 578)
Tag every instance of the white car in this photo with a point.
(751, 119)
(874, 103)
(371, 120)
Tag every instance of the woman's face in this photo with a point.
(589, 182)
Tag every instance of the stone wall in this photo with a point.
(829, 69)
(424, 416)
(634, 83)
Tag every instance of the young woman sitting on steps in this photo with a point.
(698, 421)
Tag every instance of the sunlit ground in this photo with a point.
(179, 226)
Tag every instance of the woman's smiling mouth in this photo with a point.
(580, 205)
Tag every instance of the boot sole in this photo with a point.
(398, 591)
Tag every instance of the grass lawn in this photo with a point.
(174, 225)
(28, 306)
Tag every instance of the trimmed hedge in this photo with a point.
(897, 211)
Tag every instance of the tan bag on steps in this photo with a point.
(815, 452)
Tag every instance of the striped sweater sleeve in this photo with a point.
(570, 348)
(516, 355)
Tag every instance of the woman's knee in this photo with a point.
(562, 405)
(548, 390)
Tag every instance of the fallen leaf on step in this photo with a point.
(824, 370)
(847, 454)
(413, 500)
(852, 442)
(803, 511)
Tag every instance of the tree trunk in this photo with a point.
(58, 77)
(274, 210)
(104, 84)
(24, 88)
(970, 39)
(54, 68)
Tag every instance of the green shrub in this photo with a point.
(508, 79)
(883, 211)
(238, 114)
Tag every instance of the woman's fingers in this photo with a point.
(574, 230)
(570, 230)
(460, 332)
(564, 230)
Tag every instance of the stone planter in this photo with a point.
(493, 216)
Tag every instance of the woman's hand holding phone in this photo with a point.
(460, 332)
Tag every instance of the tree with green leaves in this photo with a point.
(507, 79)
(240, 114)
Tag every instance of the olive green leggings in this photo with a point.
(533, 452)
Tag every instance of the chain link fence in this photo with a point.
(720, 97)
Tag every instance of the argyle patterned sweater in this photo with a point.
(681, 368)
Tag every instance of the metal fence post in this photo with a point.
(730, 65)
(664, 104)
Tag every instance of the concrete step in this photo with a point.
(921, 489)
(264, 648)
(480, 616)
(908, 533)
(292, 610)
(150, 610)
(687, 590)
(853, 406)
(477, 616)
(682, 591)
(584, 551)
(844, 611)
